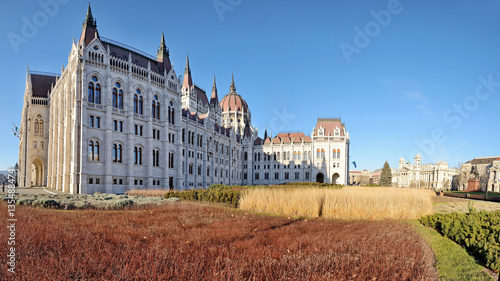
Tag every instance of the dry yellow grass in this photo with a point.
(147, 192)
(345, 203)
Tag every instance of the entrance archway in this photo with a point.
(320, 178)
(37, 172)
(335, 178)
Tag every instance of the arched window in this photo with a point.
(171, 112)
(136, 104)
(37, 125)
(208, 171)
(199, 170)
(91, 150)
(318, 153)
(156, 158)
(98, 93)
(299, 156)
(138, 155)
(155, 108)
(115, 148)
(119, 154)
(322, 153)
(338, 153)
(171, 160)
(96, 151)
(91, 92)
(334, 153)
(215, 172)
(117, 96)
(246, 156)
(190, 168)
(278, 156)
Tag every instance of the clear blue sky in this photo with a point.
(402, 82)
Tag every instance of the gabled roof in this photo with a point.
(41, 84)
(258, 141)
(288, 137)
(329, 126)
(200, 93)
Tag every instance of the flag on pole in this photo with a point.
(354, 163)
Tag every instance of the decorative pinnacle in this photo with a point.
(232, 89)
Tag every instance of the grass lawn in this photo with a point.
(444, 204)
(452, 261)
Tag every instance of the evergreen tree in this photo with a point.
(386, 175)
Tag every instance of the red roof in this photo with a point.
(233, 102)
(329, 126)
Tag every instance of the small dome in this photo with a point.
(233, 102)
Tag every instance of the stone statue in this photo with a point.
(474, 173)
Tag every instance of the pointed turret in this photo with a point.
(89, 29)
(163, 54)
(265, 133)
(188, 81)
(232, 89)
(214, 99)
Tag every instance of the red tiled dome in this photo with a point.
(233, 102)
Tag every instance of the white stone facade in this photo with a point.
(117, 119)
(435, 176)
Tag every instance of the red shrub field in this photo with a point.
(189, 241)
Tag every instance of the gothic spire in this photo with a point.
(89, 29)
(214, 99)
(232, 89)
(188, 81)
(163, 55)
(89, 20)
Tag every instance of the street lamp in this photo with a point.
(16, 168)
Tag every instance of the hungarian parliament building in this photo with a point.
(117, 119)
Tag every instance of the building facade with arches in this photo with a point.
(117, 119)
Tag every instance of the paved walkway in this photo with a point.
(36, 190)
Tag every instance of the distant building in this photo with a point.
(489, 173)
(436, 176)
(375, 177)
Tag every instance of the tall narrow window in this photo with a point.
(115, 98)
(334, 153)
(98, 93)
(155, 108)
(96, 151)
(322, 153)
(136, 103)
(338, 153)
(115, 148)
(91, 150)
(141, 105)
(119, 154)
(36, 126)
(91, 92)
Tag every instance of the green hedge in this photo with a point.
(478, 232)
(218, 195)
